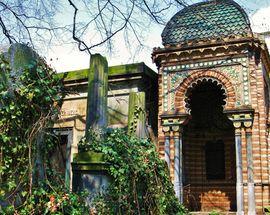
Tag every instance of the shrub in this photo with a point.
(140, 179)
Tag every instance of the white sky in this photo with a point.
(67, 57)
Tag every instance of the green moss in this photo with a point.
(113, 71)
(88, 157)
(126, 69)
(74, 75)
(89, 161)
(89, 166)
(21, 56)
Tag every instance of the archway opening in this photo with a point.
(208, 150)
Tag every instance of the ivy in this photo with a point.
(30, 101)
(140, 179)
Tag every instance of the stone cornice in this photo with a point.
(232, 46)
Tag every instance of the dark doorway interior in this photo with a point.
(60, 155)
(208, 150)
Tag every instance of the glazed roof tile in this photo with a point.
(206, 20)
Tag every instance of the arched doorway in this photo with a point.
(208, 149)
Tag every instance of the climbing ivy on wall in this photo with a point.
(30, 99)
(140, 179)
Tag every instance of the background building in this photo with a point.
(214, 95)
(208, 105)
(122, 80)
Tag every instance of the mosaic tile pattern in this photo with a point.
(206, 20)
(165, 91)
(246, 89)
(235, 69)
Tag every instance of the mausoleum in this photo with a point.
(207, 108)
(214, 108)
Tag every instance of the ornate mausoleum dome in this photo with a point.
(207, 20)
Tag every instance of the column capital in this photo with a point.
(241, 118)
(238, 131)
(174, 121)
(166, 129)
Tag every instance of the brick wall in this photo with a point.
(199, 193)
(209, 194)
(259, 137)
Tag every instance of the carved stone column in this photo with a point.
(96, 114)
(178, 162)
(251, 189)
(166, 130)
(136, 115)
(242, 119)
(174, 123)
(239, 171)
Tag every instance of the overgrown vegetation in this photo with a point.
(214, 213)
(140, 179)
(30, 100)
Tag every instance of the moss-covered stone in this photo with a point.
(91, 161)
(88, 157)
(21, 56)
(74, 75)
(126, 69)
(113, 71)
(96, 115)
(137, 114)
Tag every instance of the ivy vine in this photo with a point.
(134, 119)
(140, 179)
(29, 102)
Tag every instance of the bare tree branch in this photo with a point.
(80, 42)
(93, 23)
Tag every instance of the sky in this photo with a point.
(67, 57)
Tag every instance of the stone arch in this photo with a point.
(192, 80)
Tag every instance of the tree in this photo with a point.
(29, 21)
(92, 24)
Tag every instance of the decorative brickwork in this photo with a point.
(244, 86)
(234, 70)
(187, 83)
(222, 85)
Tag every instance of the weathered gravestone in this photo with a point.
(90, 174)
(89, 168)
(137, 115)
(96, 115)
(22, 57)
(19, 57)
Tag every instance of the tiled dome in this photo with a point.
(206, 20)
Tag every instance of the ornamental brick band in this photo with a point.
(199, 75)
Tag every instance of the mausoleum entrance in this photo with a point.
(209, 175)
